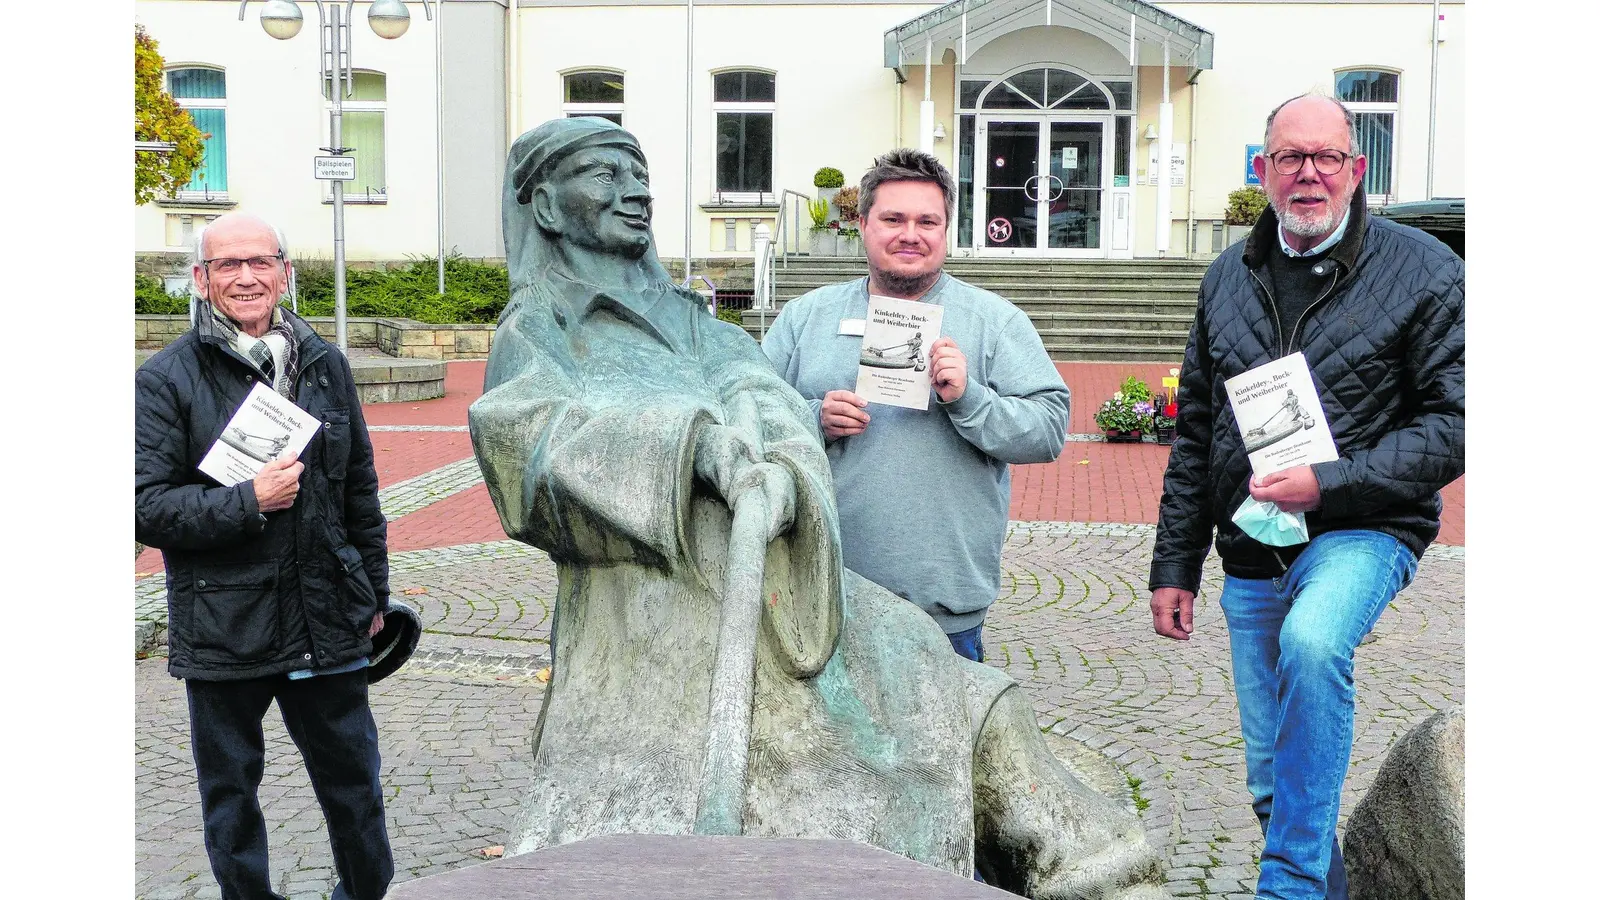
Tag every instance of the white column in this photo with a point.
(925, 117)
(1164, 162)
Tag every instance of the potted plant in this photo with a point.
(1128, 414)
(1166, 420)
(1245, 206)
(827, 181)
(850, 241)
(823, 238)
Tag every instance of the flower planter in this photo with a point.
(824, 242)
(849, 246)
(1166, 434)
(1124, 437)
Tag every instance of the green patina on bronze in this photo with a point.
(715, 668)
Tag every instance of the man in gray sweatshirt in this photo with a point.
(924, 495)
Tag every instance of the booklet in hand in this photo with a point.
(1280, 417)
(266, 428)
(894, 351)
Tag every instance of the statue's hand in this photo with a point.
(772, 485)
(720, 455)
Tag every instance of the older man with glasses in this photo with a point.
(1377, 309)
(275, 586)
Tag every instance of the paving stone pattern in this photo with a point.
(1072, 625)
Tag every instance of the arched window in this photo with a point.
(362, 132)
(744, 103)
(204, 93)
(595, 93)
(1373, 96)
(1049, 89)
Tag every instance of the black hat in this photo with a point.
(393, 645)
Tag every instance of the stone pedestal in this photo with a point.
(670, 867)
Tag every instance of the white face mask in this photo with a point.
(1270, 525)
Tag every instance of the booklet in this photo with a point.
(1280, 416)
(894, 351)
(266, 427)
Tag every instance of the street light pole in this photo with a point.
(389, 19)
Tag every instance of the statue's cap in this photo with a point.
(543, 147)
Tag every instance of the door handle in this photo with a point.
(1059, 190)
(1028, 189)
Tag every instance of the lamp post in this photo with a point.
(389, 19)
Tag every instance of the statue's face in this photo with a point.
(599, 198)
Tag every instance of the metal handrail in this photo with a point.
(779, 235)
(692, 279)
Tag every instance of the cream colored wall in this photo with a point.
(835, 100)
(277, 120)
(1264, 56)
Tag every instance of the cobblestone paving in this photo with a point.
(1072, 625)
(428, 488)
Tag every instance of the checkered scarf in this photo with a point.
(274, 354)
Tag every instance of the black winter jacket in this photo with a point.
(251, 594)
(1386, 346)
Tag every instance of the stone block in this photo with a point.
(472, 343)
(417, 337)
(1406, 839)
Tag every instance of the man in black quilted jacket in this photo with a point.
(274, 586)
(1377, 309)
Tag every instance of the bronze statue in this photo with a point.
(715, 669)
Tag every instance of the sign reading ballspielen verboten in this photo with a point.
(335, 168)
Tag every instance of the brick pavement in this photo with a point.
(1072, 627)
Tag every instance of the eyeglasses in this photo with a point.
(1326, 162)
(261, 265)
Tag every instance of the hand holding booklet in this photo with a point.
(894, 351)
(266, 428)
(1280, 417)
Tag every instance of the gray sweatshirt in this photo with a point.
(924, 495)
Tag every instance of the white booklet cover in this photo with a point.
(266, 427)
(894, 351)
(1280, 416)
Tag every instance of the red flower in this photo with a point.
(1170, 410)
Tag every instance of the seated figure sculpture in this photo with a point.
(715, 668)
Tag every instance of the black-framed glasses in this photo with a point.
(228, 265)
(1326, 162)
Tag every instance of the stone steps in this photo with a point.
(1084, 310)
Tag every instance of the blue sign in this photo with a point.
(1251, 151)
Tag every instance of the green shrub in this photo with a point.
(828, 177)
(729, 314)
(819, 213)
(475, 292)
(1245, 206)
(150, 298)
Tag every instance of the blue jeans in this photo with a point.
(1294, 639)
(330, 721)
(969, 643)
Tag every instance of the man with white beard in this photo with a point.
(1378, 311)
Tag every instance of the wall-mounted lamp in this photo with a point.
(1150, 132)
(938, 131)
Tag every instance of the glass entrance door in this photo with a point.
(1042, 187)
(1010, 194)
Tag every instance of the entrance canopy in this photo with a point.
(1139, 29)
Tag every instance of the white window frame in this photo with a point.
(745, 198)
(350, 106)
(200, 103)
(1390, 108)
(571, 109)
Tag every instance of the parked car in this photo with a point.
(1443, 217)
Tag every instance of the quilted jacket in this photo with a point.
(1386, 345)
(251, 594)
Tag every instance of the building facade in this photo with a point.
(1053, 113)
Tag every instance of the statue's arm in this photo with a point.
(586, 477)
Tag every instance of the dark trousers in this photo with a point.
(329, 720)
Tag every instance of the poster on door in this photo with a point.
(1069, 157)
(1179, 162)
